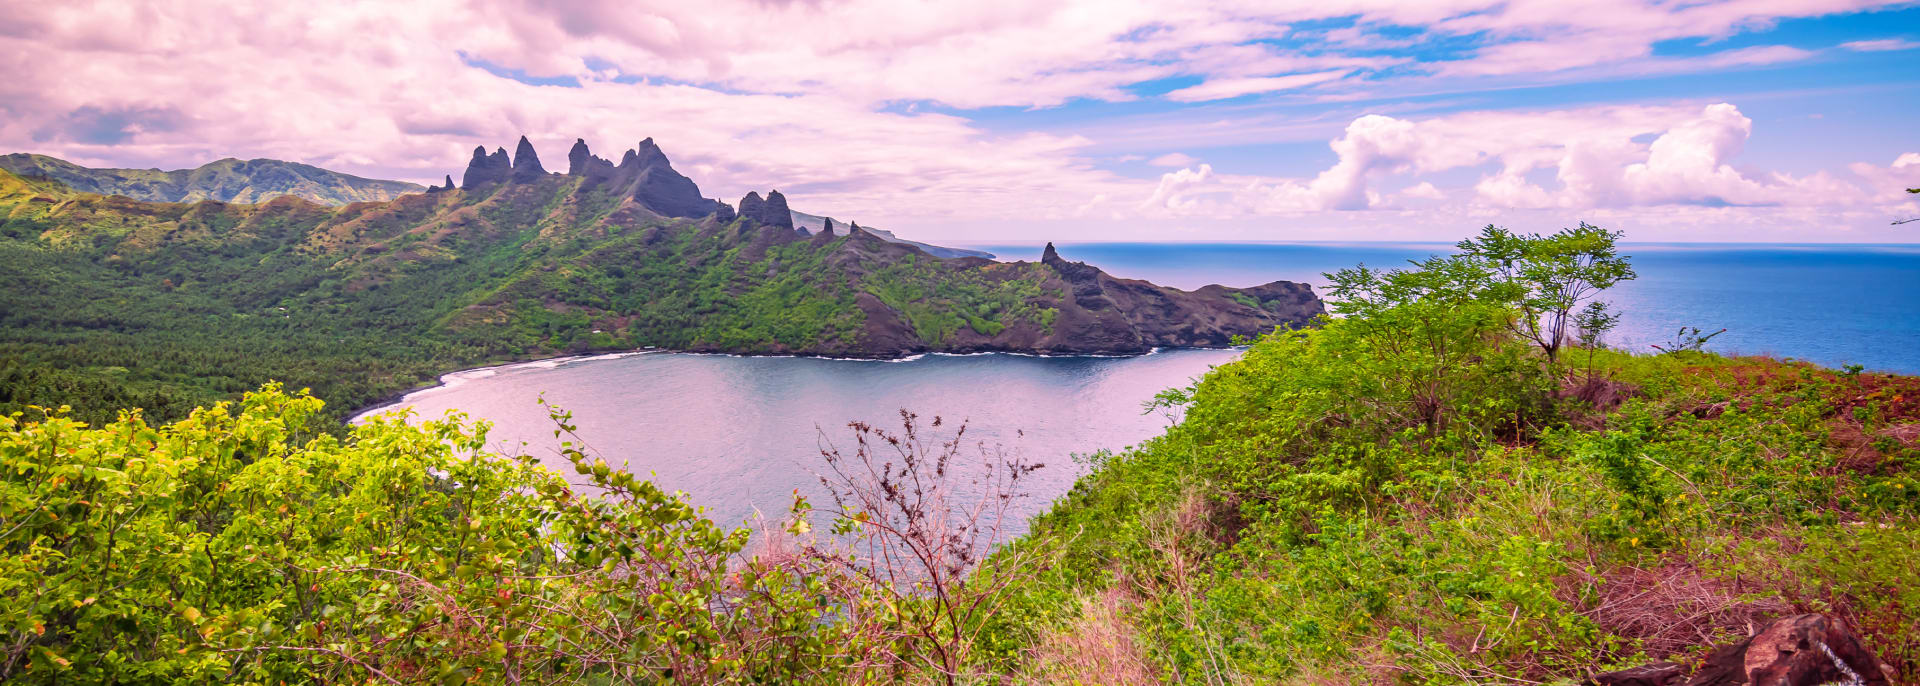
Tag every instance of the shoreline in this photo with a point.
(453, 378)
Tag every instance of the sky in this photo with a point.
(1012, 120)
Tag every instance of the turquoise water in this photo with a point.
(1830, 304)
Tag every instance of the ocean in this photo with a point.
(1829, 304)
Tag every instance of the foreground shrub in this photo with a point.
(237, 544)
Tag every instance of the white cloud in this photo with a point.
(1173, 159)
(1590, 154)
(1174, 191)
(847, 105)
(1881, 45)
(1425, 190)
(1220, 89)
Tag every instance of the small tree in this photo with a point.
(1593, 322)
(1548, 277)
(914, 523)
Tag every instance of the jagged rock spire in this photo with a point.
(577, 158)
(772, 211)
(651, 154)
(751, 206)
(526, 162)
(485, 168)
(644, 175)
(1050, 255)
(826, 225)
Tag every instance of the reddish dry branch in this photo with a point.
(1671, 609)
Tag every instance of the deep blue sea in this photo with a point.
(1829, 304)
(741, 434)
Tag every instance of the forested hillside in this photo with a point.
(115, 303)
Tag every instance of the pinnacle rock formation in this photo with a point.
(769, 212)
(645, 175)
(577, 158)
(656, 185)
(526, 163)
(487, 169)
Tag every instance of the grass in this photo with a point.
(1701, 497)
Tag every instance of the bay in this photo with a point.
(741, 434)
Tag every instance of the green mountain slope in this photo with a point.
(115, 302)
(1413, 495)
(227, 180)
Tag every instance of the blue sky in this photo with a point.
(1785, 120)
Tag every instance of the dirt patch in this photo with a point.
(1592, 397)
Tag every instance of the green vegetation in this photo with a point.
(938, 303)
(1412, 492)
(1419, 490)
(242, 543)
(113, 303)
(227, 180)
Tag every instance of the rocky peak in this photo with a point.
(485, 168)
(439, 189)
(724, 213)
(644, 175)
(1071, 271)
(771, 212)
(752, 206)
(577, 158)
(826, 225)
(526, 162)
(651, 155)
(582, 162)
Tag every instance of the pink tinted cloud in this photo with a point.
(1591, 152)
(807, 96)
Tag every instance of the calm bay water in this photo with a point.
(738, 433)
(742, 433)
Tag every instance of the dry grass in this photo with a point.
(1097, 647)
(1671, 609)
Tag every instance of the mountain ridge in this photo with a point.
(366, 298)
(224, 180)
